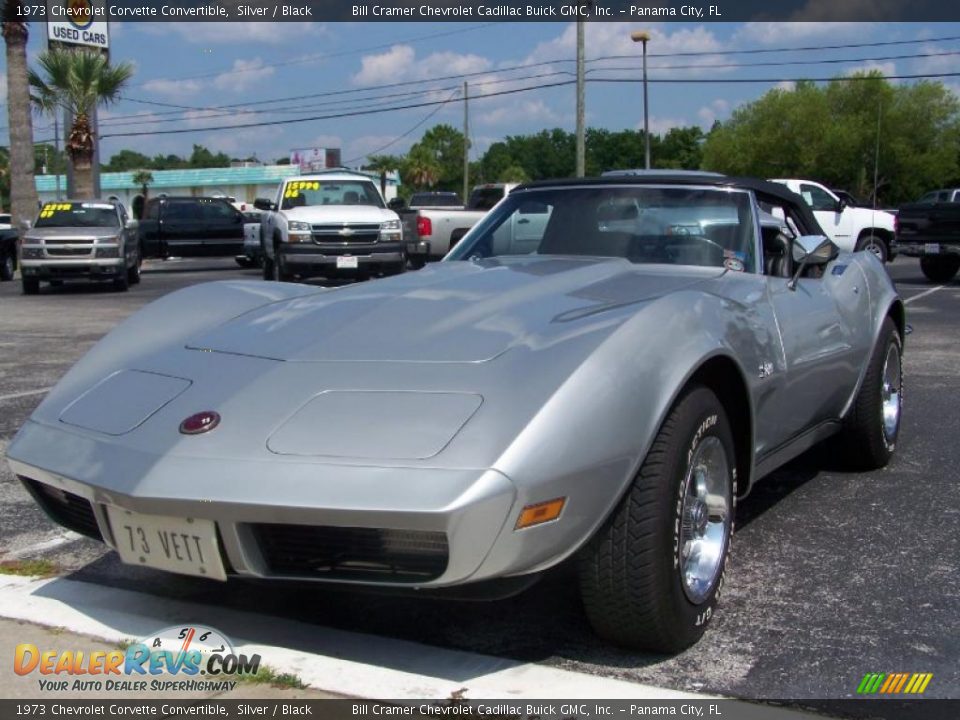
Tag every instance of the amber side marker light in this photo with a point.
(540, 513)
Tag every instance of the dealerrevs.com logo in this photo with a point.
(177, 658)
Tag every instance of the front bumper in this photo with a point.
(86, 268)
(920, 249)
(307, 258)
(280, 517)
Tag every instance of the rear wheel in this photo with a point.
(651, 577)
(133, 273)
(121, 283)
(871, 430)
(31, 286)
(875, 244)
(940, 269)
(280, 272)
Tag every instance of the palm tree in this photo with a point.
(143, 178)
(23, 189)
(78, 81)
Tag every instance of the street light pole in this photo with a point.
(644, 37)
(581, 139)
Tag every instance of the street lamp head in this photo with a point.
(640, 36)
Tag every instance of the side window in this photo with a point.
(217, 212)
(818, 198)
(153, 210)
(521, 233)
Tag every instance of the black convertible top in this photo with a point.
(766, 191)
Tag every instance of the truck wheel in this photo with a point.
(651, 576)
(8, 267)
(133, 273)
(870, 431)
(31, 286)
(267, 268)
(875, 244)
(280, 272)
(939, 269)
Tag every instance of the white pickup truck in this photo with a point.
(329, 223)
(850, 228)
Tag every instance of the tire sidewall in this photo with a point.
(869, 240)
(9, 267)
(892, 340)
(708, 420)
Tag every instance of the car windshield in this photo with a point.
(484, 198)
(77, 214)
(678, 225)
(300, 193)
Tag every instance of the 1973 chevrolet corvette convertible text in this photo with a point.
(595, 373)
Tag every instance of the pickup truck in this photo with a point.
(430, 232)
(930, 229)
(850, 228)
(330, 223)
(191, 227)
(86, 239)
(8, 253)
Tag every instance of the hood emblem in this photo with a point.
(200, 422)
(346, 231)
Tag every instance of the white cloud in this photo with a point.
(400, 63)
(661, 125)
(886, 68)
(173, 88)
(786, 85)
(244, 75)
(385, 67)
(361, 147)
(719, 109)
(794, 33)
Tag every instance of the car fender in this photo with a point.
(591, 436)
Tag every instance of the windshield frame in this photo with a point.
(510, 201)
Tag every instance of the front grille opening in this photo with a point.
(72, 511)
(348, 553)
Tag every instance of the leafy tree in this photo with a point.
(421, 168)
(78, 81)
(143, 178)
(126, 160)
(201, 157)
(513, 174)
(679, 149)
(440, 149)
(23, 189)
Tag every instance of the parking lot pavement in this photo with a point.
(833, 574)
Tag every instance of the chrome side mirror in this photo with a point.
(810, 250)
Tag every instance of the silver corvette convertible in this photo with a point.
(596, 373)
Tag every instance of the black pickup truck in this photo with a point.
(930, 229)
(191, 227)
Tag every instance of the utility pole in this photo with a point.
(466, 145)
(56, 148)
(876, 157)
(644, 37)
(581, 139)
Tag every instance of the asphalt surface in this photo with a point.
(833, 574)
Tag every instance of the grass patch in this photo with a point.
(266, 675)
(29, 568)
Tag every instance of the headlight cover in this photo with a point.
(298, 231)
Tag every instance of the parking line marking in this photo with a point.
(61, 539)
(26, 393)
(923, 294)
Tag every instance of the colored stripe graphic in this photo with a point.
(894, 683)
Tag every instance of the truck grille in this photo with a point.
(67, 509)
(67, 251)
(345, 233)
(350, 553)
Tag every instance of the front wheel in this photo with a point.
(651, 577)
(874, 244)
(939, 269)
(133, 273)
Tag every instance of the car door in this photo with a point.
(222, 228)
(180, 226)
(837, 225)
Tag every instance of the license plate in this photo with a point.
(182, 545)
(931, 249)
(347, 262)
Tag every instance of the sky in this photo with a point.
(197, 76)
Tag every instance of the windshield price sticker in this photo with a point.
(294, 188)
(51, 208)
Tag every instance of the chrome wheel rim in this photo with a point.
(890, 394)
(704, 519)
(874, 247)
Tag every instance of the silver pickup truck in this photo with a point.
(80, 239)
(430, 232)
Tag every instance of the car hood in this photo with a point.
(464, 312)
(339, 214)
(86, 233)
